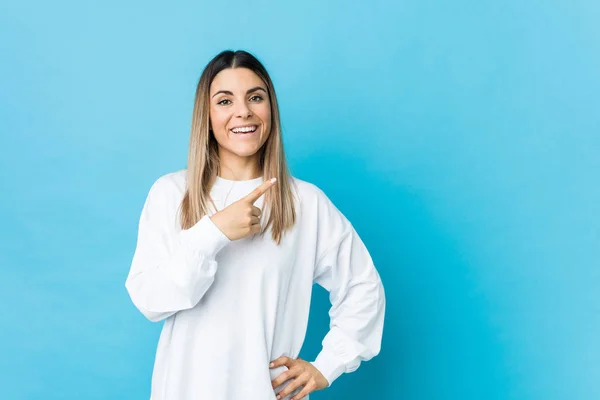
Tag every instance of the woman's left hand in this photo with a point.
(305, 374)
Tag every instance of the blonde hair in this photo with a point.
(203, 156)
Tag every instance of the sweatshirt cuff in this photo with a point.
(204, 238)
(329, 365)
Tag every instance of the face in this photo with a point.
(240, 111)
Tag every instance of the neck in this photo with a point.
(239, 168)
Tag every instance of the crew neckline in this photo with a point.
(242, 184)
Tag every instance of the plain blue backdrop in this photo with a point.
(461, 139)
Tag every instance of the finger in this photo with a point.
(255, 220)
(283, 360)
(295, 384)
(284, 377)
(301, 380)
(256, 211)
(259, 191)
(303, 393)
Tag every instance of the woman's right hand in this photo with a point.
(241, 218)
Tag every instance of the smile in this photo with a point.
(244, 129)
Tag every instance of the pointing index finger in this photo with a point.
(259, 191)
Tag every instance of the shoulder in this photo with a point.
(164, 199)
(172, 185)
(171, 181)
(315, 201)
(308, 191)
(321, 214)
(169, 187)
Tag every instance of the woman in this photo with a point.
(227, 256)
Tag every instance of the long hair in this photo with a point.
(203, 156)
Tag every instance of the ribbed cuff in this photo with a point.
(204, 238)
(329, 365)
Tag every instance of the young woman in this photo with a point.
(228, 251)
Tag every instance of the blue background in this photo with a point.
(461, 138)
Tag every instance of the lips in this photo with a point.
(245, 129)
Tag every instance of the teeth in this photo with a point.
(244, 129)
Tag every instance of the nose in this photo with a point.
(243, 110)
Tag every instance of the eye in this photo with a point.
(221, 102)
(255, 96)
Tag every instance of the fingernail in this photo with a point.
(278, 397)
(272, 364)
(273, 180)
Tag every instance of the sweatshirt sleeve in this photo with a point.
(356, 293)
(171, 268)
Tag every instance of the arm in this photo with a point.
(356, 293)
(171, 269)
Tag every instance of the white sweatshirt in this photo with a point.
(231, 307)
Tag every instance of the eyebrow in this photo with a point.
(254, 89)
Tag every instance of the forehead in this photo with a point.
(235, 79)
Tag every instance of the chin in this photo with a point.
(246, 152)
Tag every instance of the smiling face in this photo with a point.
(240, 112)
